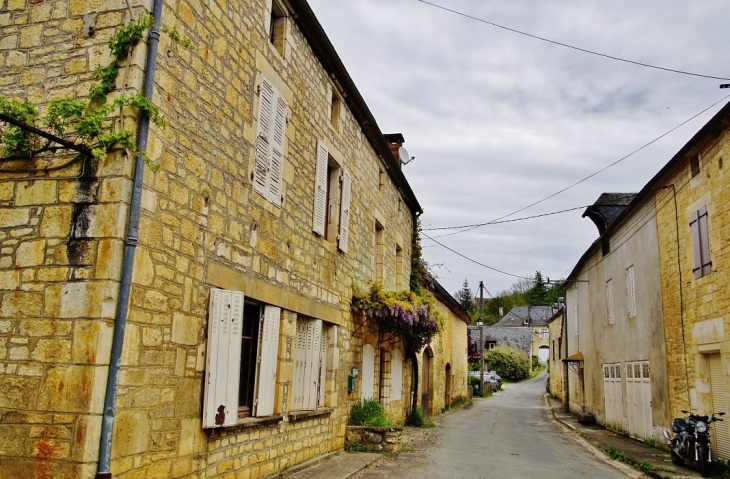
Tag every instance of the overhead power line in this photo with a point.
(503, 221)
(573, 47)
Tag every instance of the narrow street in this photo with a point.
(507, 435)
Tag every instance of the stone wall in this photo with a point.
(202, 226)
(375, 439)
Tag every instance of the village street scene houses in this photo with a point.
(193, 318)
(646, 306)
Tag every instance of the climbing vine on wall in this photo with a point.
(87, 126)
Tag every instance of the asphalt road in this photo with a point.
(509, 435)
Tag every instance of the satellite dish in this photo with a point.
(403, 155)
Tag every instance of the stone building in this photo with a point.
(195, 321)
(555, 360)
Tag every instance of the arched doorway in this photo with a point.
(447, 384)
(426, 381)
(543, 354)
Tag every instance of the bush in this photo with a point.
(510, 363)
(369, 413)
(419, 418)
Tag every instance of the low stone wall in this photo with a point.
(376, 439)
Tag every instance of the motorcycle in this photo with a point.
(691, 440)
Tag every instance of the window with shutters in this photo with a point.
(630, 292)
(700, 243)
(609, 301)
(694, 165)
(241, 359)
(270, 139)
(312, 360)
(332, 192)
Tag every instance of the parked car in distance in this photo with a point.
(491, 378)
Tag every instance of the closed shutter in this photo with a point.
(367, 388)
(719, 404)
(704, 242)
(267, 358)
(345, 211)
(631, 292)
(223, 358)
(396, 375)
(609, 301)
(321, 386)
(262, 163)
(311, 373)
(320, 190)
(277, 150)
(300, 351)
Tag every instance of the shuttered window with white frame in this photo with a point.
(309, 358)
(223, 358)
(700, 243)
(320, 189)
(268, 352)
(270, 138)
(609, 301)
(631, 291)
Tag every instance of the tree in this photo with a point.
(465, 297)
(538, 295)
(509, 363)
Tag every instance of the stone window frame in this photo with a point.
(277, 25)
(332, 198)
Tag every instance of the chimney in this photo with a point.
(501, 312)
(395, 142)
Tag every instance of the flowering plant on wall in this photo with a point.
(409, 316)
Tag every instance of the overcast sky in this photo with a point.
(497, 121)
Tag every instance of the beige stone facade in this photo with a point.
(205, 225)
(555, 360)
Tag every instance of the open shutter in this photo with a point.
(223, 359)
(268, 353)
(262, 164)
(322, 384)
(300, 351)
(320, 190)
(314, 337)
(396, 375)
(704, 241)
(367, 387)
(345, 211)
(277, 150)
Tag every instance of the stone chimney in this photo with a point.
(395, 141)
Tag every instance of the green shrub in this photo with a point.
(510, 363)
(419, 418)
(369, 413)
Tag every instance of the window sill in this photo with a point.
(258, 421)
(300, 415)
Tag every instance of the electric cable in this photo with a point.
(503, 221)
(573, 47)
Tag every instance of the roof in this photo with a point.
(450, 302)
(647, 192)
(607, 208)
(518, 338)
(325, 52)
(517, 316)
(574, 358)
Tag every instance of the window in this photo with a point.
(700, 243)
(630, 292)
(381, 181)
(367, 388)
(694, 165)
(335, 109)
(277, 27)
(396, 375)
(609, 301)
(270, 136)
(379, 253)
(241, 359)
(310, 365)
(544, 334)
(332, 192)
(399, 268)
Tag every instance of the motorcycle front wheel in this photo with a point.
(703, 463)
(676, 459)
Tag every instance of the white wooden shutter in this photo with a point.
(321, 386)
(396, 375)
(268, 353)
(262, 164)
(367, 376)
(299, 366)
(320, 189)
(277, 150)
(311, 374)
(223, 359)
(631, 291)
(345, 211)
(609, 301)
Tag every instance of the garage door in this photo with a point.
(638, 399)
(612, 396)
(717, 383)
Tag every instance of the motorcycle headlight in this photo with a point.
(701, 427)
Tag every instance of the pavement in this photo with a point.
(644, 457)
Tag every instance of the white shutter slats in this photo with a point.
(263, 137)
(223, 358)
(313, 357)
(299, 365)
(277, 150)
(322, 369)
(268, 353)
(320, 190)
(396, 375)
(367, 385)
(345, 211)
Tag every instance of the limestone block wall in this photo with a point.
(696, 319)
(555, 363)
(202, 226)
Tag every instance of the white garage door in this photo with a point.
(613, 396)
(717, 382)
(638, 399)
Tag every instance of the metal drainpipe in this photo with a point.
(120, 321)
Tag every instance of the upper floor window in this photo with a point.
(694, 165)
(609, 301)
(399, 267)
(335, 109)
(332, 189)
(630, 292)
(270, 137)
(700, 243)
(379, 240)
(277, 26)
